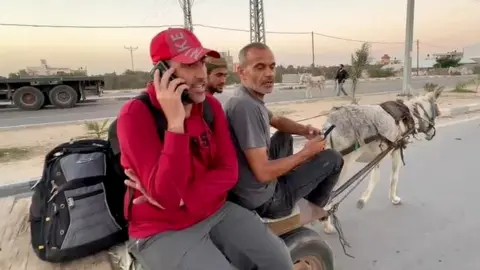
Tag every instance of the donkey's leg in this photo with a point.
(396, 165)
(328, 227)
(374, 177)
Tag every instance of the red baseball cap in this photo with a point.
(180, 45)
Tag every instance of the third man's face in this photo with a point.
(217, 79)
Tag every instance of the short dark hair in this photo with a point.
(213, 63)
(242, 55)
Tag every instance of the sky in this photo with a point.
(440, 25)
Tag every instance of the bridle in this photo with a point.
(429, 119)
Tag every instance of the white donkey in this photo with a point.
(312, 82)
(357, 131)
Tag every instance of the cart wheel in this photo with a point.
(308, 250)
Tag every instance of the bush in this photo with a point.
(377, 72)
(476, 70)
(430, 87)
(461, 87)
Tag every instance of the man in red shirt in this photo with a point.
(188, 174)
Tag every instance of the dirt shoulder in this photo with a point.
(22, 150)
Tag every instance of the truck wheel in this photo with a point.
(63, 96)
(308, 250)
(28, 98)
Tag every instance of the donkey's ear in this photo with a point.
(437, 92)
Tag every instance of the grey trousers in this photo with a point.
(340, 88)
(232, 238)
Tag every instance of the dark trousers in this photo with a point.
(313, 180)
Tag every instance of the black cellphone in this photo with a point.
(328, 131)
(163, 67)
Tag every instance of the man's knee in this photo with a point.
(331, 159)
(278, 257)
(283, 137)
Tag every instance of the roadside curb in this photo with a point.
(308, 100)
(454, 111)
(287, 85)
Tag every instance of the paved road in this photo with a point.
(437, 225)
(101, 109)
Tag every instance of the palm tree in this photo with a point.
(359, 61)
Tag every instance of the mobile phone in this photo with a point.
(328, 131)
(163, 67)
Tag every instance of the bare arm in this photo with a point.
(286, 125)
(250, 128)
(266, 170)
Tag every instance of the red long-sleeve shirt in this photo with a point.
(177, 169)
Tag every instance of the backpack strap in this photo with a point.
(208, 114)
(158, 116)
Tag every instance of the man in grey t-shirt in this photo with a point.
(271, 178)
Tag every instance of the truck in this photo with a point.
(34, 93)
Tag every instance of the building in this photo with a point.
(385, 60)
(229, 58)
(235, 67)
(454, 54)
(45, 70)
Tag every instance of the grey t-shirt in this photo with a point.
(249, 122)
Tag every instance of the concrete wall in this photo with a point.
(290, 78)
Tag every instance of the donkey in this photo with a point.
(362, 131)
(312, 82)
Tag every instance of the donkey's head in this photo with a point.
(425, 110)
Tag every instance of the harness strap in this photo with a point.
(357, 179)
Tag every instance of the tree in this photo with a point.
(19, 74)
(360, 60)
(450, 60)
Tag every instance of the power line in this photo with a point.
(196, 25)
(204, 26)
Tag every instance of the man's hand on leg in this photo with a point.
(134, 182)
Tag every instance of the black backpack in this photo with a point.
(77, 205)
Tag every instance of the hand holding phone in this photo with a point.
(317, 145)
(163, 66)
(324, 135)
(168, 93)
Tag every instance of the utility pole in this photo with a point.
(186, 6)
(407, 64)
(418, 56)
(131, 49)
(257, 21)
(313, 51)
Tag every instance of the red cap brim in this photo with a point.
(186, 58)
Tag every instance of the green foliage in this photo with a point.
(22, 73)
(462, 87)
(477, 82)
(447, 61)
(96, 130)
(430, 87)
(377, 72)
(476, 70)
(359, 62)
